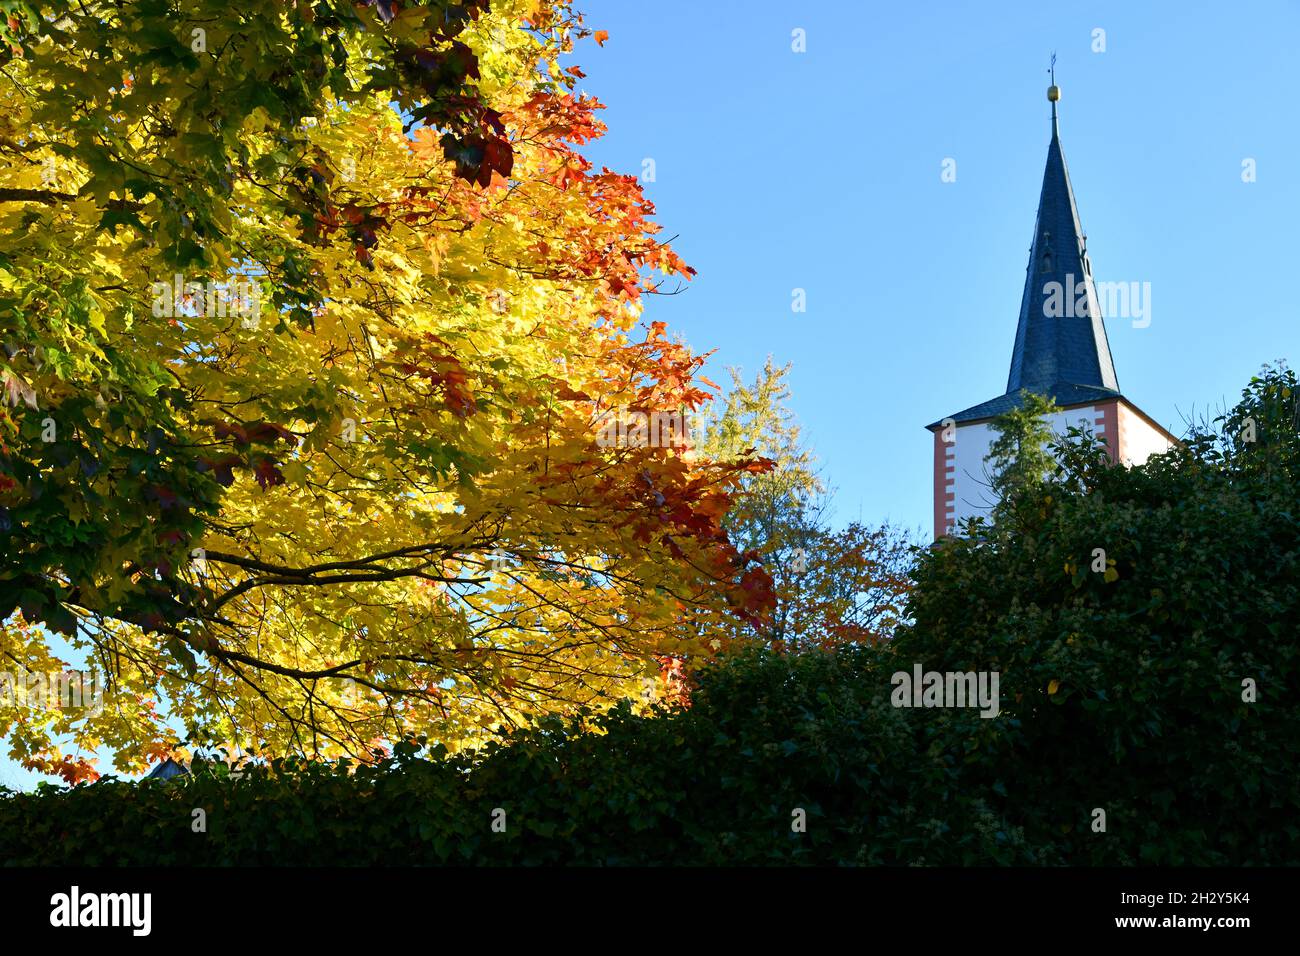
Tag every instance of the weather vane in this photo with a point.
(1052, 68)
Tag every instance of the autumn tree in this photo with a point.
(310, 314)
(833, 584)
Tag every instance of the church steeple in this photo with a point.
(1060, 338)
(1060, 352)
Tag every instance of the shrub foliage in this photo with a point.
(1121, 683)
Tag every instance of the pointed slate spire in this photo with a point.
(1061, 349)
(1060, 338)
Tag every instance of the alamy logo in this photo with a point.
(58, 690)
(949, 689)
(102, 909)
(213, 299)
(1118, 300)
(632, 428)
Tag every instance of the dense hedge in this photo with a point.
(1120, 691)
(718, 784)
(715, 784)
(1200, 592)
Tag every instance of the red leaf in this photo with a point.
(268, 474)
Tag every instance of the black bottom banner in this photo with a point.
(930, 905)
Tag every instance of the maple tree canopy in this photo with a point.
(310, 313)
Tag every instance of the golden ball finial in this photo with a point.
(1053, 92)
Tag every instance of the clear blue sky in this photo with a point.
(821, 170)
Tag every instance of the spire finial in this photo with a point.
(1053, 91)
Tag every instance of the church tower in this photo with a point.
(1060, 351)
